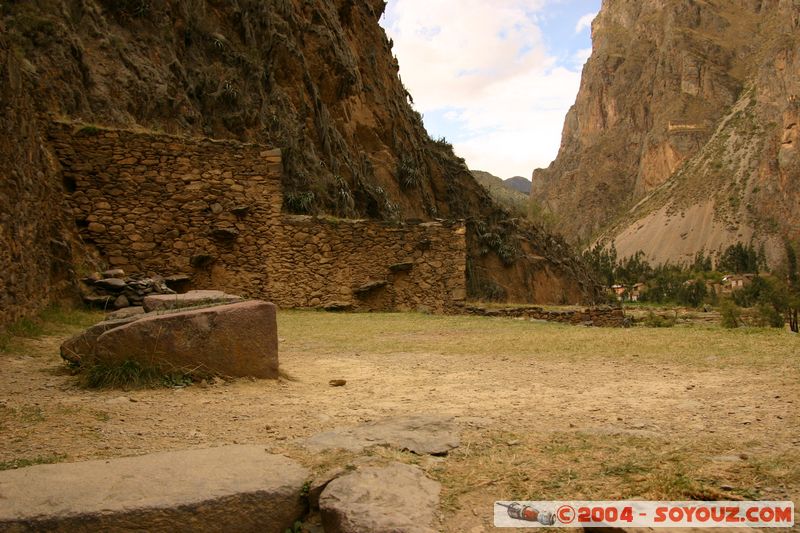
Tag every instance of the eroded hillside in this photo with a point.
(683, 135)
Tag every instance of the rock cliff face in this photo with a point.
(316, 79)
(683, 135)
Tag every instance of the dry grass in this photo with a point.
(521, 340)
(546, 411)
(54, 320)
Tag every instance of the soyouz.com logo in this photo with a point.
(643, 514)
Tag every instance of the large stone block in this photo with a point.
(239, 339)
(160, 302)
(233, 488)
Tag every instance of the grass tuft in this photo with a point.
(53, 320)
(130, 374)
(89, 130)
(39, 460)
(653, 320)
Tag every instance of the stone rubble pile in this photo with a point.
(112, 289)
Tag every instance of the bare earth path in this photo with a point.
(546, 411)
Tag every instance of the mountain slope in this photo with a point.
(683, 133)
(518, 183)
(509, 197)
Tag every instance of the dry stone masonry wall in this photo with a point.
(600, 316)
(159, 204)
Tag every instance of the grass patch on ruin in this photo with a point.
(130, 374)
(31, 461)
(53, 320)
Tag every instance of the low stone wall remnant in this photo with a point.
(601, 316)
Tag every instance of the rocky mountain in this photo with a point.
(518, 183)
(683, 136)
(315, 78)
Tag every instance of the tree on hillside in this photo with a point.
(603, 262)
(634, 269)
(739, 259)
(776, 296)
(702, 262)
(793, 286)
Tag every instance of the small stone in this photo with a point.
(114, 284)
(338, 306)
(114, 273)
(337, 382)
(96, 227)
(240, 211)
(121, 302)
(401, 267)
(224, 234)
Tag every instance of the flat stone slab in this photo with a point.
(232, 488)
(397, 498)
(126, 312)
(420, 434)
(160, 302)
(236, 340)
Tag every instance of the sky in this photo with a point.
(495, 78)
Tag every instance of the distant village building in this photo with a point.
(636, 291)
(734, 282)
(619, 291)
(628, 294)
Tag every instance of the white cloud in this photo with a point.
(582, 55)
(585, 22)
(486, 66)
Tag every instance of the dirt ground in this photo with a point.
(546, 411)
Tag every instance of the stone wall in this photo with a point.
(159, 204)
(600, 316)
(36, 244)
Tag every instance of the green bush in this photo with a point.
(739, 259)
(408, 173)
(731, 315)
(653, 320)
(89, 130)
(768, 316)
(299, 202)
